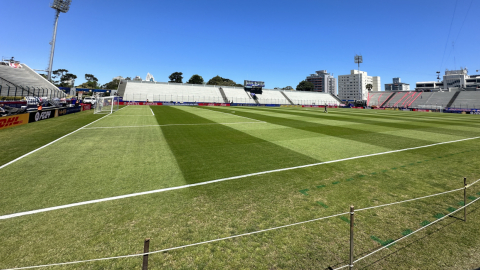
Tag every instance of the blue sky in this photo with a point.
(279, 42)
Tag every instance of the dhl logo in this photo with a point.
(10, 121)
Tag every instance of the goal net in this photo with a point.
(106, 104)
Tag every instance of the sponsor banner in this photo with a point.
(291, 105)
(357, 108)
(421, 110)
(38, 116)
(86, 107)
(376, 108)
(13, 120)
(213, 104)
(462, 111)
(143, 103)
(318, 106)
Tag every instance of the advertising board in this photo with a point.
(38, 116)
(13, 120)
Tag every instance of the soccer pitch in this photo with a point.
(182, 175)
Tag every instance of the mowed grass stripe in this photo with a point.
(414, 116)
(372, 137)
(425, 126)
(211, 152)
(88, 165)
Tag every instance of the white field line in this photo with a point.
(52, 142)
(29, 153)
(152, 112)
(19, 214)
(233, 115)
(168, 125)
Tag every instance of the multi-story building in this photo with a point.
(323, 82)
(452, 79)
(397, 85)
(353, 87)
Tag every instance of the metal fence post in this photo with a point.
(465, 199)
(352, 217)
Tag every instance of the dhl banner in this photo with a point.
(14, 120)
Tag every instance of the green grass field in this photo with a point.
(252, 152)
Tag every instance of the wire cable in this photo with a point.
(448, 36)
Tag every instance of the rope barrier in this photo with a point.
(341, 267)
(271, 229)
(179, 247)
(403, 237)
(388, 204)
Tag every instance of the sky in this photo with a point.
(278, 42)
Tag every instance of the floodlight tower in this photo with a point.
(59, 6)
(358, 60)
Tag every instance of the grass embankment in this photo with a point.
(290, 137)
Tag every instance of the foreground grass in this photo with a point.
(254, 203)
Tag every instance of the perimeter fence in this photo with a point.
(357, 230)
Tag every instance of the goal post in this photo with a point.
(106, 104)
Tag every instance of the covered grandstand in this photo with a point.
(19, 80)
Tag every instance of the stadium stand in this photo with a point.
(421, 100)
(162, 91)
(177, 92)
(272, 97)
(311, 98)
(467, 100)
(24, 81)
(291, 102)
(438, 100)
(237, 95)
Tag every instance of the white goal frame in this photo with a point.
(106, 105)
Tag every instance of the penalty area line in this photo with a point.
(52, 142)
(19, 214)
(171, 125)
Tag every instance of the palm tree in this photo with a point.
(369, 86)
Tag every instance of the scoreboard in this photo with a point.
(253, 84)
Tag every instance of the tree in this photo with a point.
(63, 78)
(369, 86)
(92, 81)
(111, 85)
(287, 88)
(217, 80)
(128, 79)
(196, 79)
(305, 86)
(176, 77)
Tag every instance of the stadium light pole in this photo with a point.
(59, 6)
(358, 60)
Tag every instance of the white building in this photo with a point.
(353, 87)
(323, 82)
(397, 85)
(456, 79)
